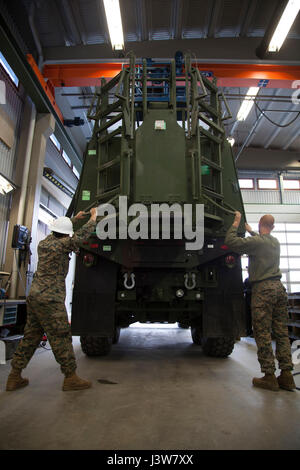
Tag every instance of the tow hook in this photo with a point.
(190, 281)
(132, 278)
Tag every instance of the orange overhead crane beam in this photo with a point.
(68, 75)
(47, 85)
(279, 76)
(253, 71)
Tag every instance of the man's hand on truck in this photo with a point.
(237, 219)
(248, 228)
(93, 213)
(81, 215)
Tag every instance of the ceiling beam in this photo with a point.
(142, 23)
(215, 18)
(102, 22)
(291, 139)
(236, 50)
(254, 158)
(177, 19)
(69, 23)
(248, 17)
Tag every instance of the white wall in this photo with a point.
(283, 213)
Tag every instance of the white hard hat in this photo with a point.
(62, 225)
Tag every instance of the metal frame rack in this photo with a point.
(195, 99)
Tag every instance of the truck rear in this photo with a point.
(158, 144)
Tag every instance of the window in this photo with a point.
(288, 235)
(293, 237)
(283, 250)
(295, 288)
(244, 262)
(55, 142)
(294, 276)
(291, 184)
(279, 227)
(281, 237)
(9, 70)
(246, 183)
(294, 250)
(293, 227)
(294, 263)
(267, 184)
(284, 263)
(66, 158)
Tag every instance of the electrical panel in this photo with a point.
(21, 237)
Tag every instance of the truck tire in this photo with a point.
(95, 345)
(196, 335)
(116, 336)
(218, 347)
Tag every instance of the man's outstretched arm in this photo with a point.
(239, 244)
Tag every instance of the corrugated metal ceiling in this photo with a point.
(82, 22)
(160, 19)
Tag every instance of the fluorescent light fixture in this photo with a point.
(114, 23)
(5, 185)
(247, 104)
(9, 70)
(231, 140)
(284, 25)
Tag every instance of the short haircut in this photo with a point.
(267, 220)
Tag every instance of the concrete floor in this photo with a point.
(167, 395)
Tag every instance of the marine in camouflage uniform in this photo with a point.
(269, 301)
(46, 312)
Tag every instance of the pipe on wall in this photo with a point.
(35, 35)
(23, 194)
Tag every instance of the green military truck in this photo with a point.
(158, 139)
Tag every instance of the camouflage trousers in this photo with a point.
(269, 320)
(50, 318)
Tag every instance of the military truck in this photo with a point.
(159, 138)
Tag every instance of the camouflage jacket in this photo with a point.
(48, 283)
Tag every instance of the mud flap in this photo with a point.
(93, 304)
(224, 314)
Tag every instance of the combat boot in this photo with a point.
(286, 380)
(73, 382)
(15, 380)
(269, 382)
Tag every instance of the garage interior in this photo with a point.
(156, 389)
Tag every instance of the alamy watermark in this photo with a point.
(158, 221)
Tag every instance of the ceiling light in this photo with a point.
(114, 23)
(284, 25)
(231, 140)
(247, 104)
(5, 185)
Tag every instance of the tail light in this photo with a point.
(230, 261)
(89, 260)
